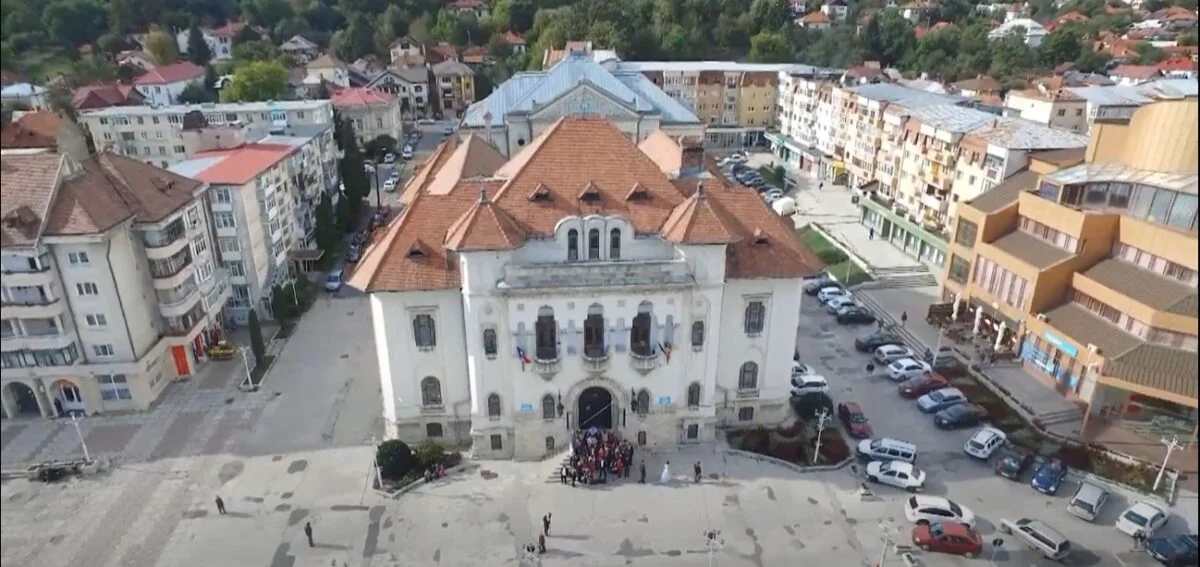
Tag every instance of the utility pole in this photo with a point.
(88, 456)
(822, 419)
(887, 543)
(246, 365)
(1171, 446)
(713, 542)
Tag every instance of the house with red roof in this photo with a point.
(515, 41)
(815, 21)
(104, 95)
(219, 40)
(1133, 75)
(1178, 67)
(162, 85)
(1068, 18)
(373, 112)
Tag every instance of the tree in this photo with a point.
(210, 82)
(110, 44)
(1060, 46)
(1148, 53)
(195, 94)
(120, 14)
(355, 40)
(326, 227)
(322, 92)
(160, 46)
(259, 50)
(257, 81)
(770, 47)
(73, 22)
(198, 50)
(347, 212)
(394, 459)
(257, 345)
(888, 38)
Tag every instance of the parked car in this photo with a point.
(809, 384)
(407, 153)
(736, 157)
(1087, 502)
(855, 421)
(831, 292)
(1012, 463)
(875, 339)
(959, 416)
(389, 185)
(929, 509)
(449, 129)
(890, 353)
(905, 368)
(939, 400)
(898, 474)
(887, 449)
(984, 442)
(1142, 517)
(815, 285)
(389, 158)
(855, 315)
(948, 537)
(799, 369)
(836, 304)
(921, 385)
(333, 281)
(1174, 551)
(1049, 476)
(1041, 537)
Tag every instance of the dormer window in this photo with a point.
(590, 193)
(638, 193)
(540, 194)
(416, 252)
(760, 237)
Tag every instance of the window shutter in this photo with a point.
(622, 335)
(572, 337)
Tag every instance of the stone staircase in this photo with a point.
(901, 277)
(552, 477)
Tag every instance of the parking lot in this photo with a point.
(829, 349)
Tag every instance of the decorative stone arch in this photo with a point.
(619, 394)
(10, 392)
(84, 401)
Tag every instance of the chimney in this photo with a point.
(693, 156)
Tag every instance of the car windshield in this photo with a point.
(936, 529)
(1085, 506)
(858, 418)
(1182, 544)
(334, 277)
(975, 444)
(885, 467)
(1010, 461)
(1136, 518)
(956, 509)
(877, 444)
(937, 396)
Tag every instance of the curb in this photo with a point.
(794, 467)
(414, 484)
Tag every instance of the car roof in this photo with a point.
(852, 407)
(1089, 491)
(813, 378)
(987, 433)
(906, 361)
(336, 272)
(898, 466)
(1143, 508)
(948, 391)
(957, 529)
(926, 500)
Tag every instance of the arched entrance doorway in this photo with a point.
(595, 408)
(24, 400)
(67, 397)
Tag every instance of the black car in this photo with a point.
(855, 315)
(872, 341)
(813, 287)
(1173, 551)
(1012, 463)
(961, 415)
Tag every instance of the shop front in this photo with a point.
(916, 241)
(786, 149)
(1051, 357)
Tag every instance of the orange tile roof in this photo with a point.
(815, 18)
(32, 130)
(360, 97)
(580, 166)
(240, 165)
(27, 183)
(173, 73)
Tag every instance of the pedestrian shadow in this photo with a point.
(241, 515)
(575, 537)
(330, 546)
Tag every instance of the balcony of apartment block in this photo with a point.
(168, 273)
(899, 217)
(36, 333)
(165, 242)
(21, 271)
(535, 278)
(180, 329)
(177, 301)
(595, 357)
(30, 301)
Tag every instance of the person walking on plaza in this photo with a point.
(546, 524)
(871, 234)
(666, 474)
(220, 505)
(903, 318)
(562, 474)
(308, 533)
(696, 469)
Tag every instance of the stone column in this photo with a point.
(978, 320)
(6, 400)
(41, 392)
(1000, 336)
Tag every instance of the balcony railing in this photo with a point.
(179, 294)
(643, 362)
(183, 324)
(25, 265)
(171, 266)
(547, 367)
(595, 362)
(166, 237)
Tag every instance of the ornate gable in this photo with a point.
(584, 99)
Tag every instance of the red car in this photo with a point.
(948, 537)
(921, 385)
(856, 422)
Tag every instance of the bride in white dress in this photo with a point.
(666, 474)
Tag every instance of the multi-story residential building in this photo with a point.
(592, 282)
(327, 69)
(1059, 107)
(252, 197)
(373, 113)
(110, 289)
(407, 52)
(170, 134)
(738, 102)
(837, 10)
(300, 48)
(529, 103)
(410, 84)
(1106, 103)
(162, 85)
(1088, 270)
(219, 40)
(454, 84)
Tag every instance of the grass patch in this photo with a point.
(837, 263)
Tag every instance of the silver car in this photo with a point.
(1087, 501)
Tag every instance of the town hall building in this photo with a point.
(588, 281)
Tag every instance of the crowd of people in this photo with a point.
(597, 453)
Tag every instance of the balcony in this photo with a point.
(26, 270)
(165, 243)
(170, 272)
(38, 334)
(33, 302)
(547, 367)
(538, 277)
(643, 363)
(934, 202)
(184, 325)
(178, 301)
(595, 362)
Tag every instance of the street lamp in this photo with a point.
(88, 456)
(246, 365)
(713, 542)
(1171, 446)
(822, 419)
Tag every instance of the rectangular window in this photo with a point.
(103, 351)
(114, 387)
(78, 258)
(96, 320)
(745, 414)
(966, 233)
(228, 244)
(224, 220)
(959, 269)
(222, 195)
(199, 245)
(755, 319)
(87, 288)
(234, 267)
(424, 331)
(497, 442)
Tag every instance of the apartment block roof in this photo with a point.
(1020, 134)
(105, 95)
(361, 97)
(237, 166)
(173, 73)
(580, 166)
(1030, 250)
(720, 66)
(905, 96)
(949, 117)
(1006, 193)
(111, 189)
(27, 184)
(1150, 289)
(32, 130)
(266, 106)
(526, 92)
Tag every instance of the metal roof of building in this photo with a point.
(907, 96)
(720, 66)
(1138, 95)
(1115, 172)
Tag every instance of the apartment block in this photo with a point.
(739, 102)
(111, 286)
(1089, 271)
(455, 86)
(373, 112)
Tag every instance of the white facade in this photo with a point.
(220, 46)
(163, 94)
(1032, 33)
(481, 328)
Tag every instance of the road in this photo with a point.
(431, 136)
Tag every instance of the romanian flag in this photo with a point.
(524, 358)
(665, 348)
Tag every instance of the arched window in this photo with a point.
(572, 245)
(489, 342)
(550, 443)
(545, 331)
(639, 332)
(494, 405)
(593, 332)
(698, 333)
(641, 438)
(548, 411)
(614, 244)
(643, 402)
(748, 377)
(594, 244)
(693, 395)
(431, 392)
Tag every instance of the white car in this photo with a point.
(389, 158)
(426, 121)
(1142, 517)
(906, 368)
(837, 303)
(895, 473)
(389, 185)
(407, 153)
(929, 509)
(984, 442)
(888, 354)
(831, 292)
(736, 158)
(809, 384)
(799, 369)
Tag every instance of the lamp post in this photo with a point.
(887, 542)
(1171, 446)
(246, 365)
(88, 456)
(822, 419)
(713, 542)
